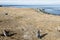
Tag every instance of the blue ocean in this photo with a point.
(52, 9)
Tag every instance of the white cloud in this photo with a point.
(30, 2)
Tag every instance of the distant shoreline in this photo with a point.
(42, 10)
(32, 6)
(0, 5)
(26, 6)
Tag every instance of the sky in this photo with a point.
(29, 2)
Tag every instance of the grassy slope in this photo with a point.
(26, 23)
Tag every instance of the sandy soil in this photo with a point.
(26, 22)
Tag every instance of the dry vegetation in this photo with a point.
(26, 22)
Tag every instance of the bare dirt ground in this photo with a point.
(26, 22)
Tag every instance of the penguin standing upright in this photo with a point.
(5, 33)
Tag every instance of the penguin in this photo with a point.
(6, 33)
(41, 36)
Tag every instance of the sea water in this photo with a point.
(55, 11)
